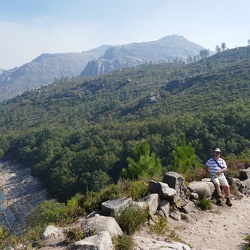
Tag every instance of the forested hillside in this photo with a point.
(76, 134)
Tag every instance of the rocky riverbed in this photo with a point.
(22, 191)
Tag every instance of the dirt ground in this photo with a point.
(222, 227)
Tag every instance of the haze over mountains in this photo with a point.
(47, 67)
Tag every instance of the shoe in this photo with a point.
(228, 202)
(218, 202)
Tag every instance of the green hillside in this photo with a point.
(77, 133)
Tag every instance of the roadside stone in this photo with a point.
(111, 207)
(163, 190)
(150, 244)
(100, 241)
(100, 223)
(164, 207)
(201, 188)
(244, 174)
(51, 232)
(188, 208)
(177, 182)
(175, 215)
(152, 201)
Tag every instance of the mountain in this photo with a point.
(45, 68)
(166, 49)
(77, 133)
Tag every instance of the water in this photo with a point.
(2, 208)
(1, 196)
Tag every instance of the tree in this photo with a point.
(144, 165)
(218, 49)
(185, 160)
(204, 53)
(223, 46)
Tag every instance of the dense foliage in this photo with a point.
(77, 134)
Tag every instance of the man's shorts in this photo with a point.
(221, 180)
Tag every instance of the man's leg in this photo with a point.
(227, 193)
(218, 190)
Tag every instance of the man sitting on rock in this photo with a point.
(216, 167)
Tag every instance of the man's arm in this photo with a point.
(206, 168)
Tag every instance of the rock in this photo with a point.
(245, 187)
(201, 188)
(177, 182)
(188, 208)
(150, 244)
(175, 215)
(194, 196)
(165, 208)
(100, 223)
(115, 206)
(51, 232)
(152, 201)
(244, 174)
(140, 204)
(163, 190)
(100, 241)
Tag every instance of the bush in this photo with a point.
(123, 242)
(248, 239)
(74, 234)
(203, 202)
(46, 213)
(92, 200)
(131, 219)
(135, 190)
(160, 227)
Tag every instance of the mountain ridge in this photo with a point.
(47, 67)
(166, 49)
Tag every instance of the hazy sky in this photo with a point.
(29, 28)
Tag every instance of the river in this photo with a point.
(1, 198)
(20, 191)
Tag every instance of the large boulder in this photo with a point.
(51, 232)
(177, 182)
(152, 202)
(100, 241)
(116, 206)
(245, 187)
(147, 243)
(100, 223)
(202, 188)
(244, 174)
(164, 207)
(163, 190)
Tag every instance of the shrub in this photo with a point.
(74, 234)
(160, 227)
(46, 213)
(203, 202)
(92, 200)
(248, 239)
(136, 190)
(131, 219)
(123, 242)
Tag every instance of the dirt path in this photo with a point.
(221, 228)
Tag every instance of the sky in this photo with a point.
(29, 28)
